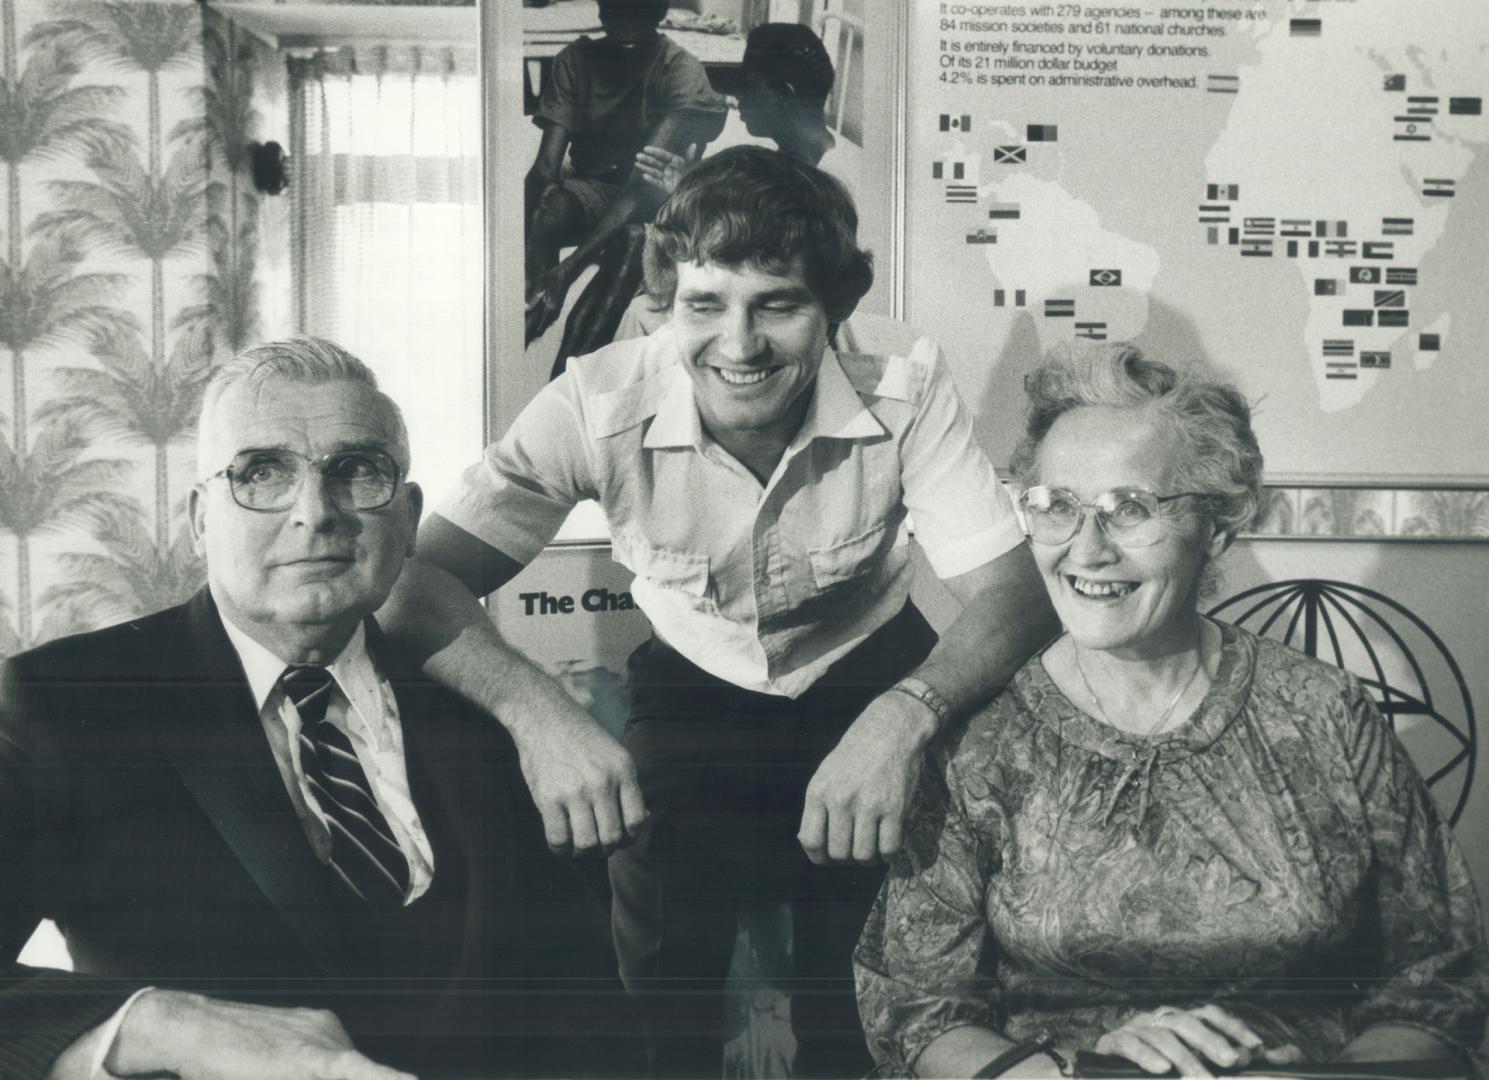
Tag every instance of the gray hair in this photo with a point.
(1212, 420)
(301, 358)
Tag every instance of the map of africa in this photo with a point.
(1296, 191)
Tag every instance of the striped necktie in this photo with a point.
(364, 853)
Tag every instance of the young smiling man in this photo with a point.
(758, 483)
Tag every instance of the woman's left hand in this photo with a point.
(1185, 1039)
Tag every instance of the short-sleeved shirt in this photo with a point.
(610, 108)
(761, 586)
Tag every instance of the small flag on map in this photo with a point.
(1312, 248)
(1096, 331)
(1223, 192)
(1059, 309)
(1429, 342)
(1339, 249)
(1000, 298)
(982, 236)
(1213, 213)
(1378, 249)
(1421, 106)
(1260, 226)
(1325, 286)
(1305, 27)
(1004, 211)
(956, 123)
(1401, 275)
(1106, 277)
(961, 193)
(1257, 246)
(1292, 249)
(1393, 317)
(1042, 133)
(1331, 228)
(1359, 317)
(958, 170)
(1395, 82)
(1442, 189)
(1341, 375)
(1390, 298)
(1212, 235)
(1377, 360)
(1008, 155)
(1296, 227)
(1465, 106)
(1413, 129)
(1223, 84)
(1339, 347)
(1364, 275)
(1396, 226)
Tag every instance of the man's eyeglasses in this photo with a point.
(1130, 516)
(270, 480)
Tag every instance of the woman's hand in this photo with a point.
(1187, 1038)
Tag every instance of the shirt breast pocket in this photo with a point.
(852, 562)
(675, 572)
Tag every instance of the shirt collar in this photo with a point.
(836, 412)
(352, 666)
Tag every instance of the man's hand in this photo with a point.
(202, 1038)
(545, 299)
(582, 780)
(662, 168)
(856, 802)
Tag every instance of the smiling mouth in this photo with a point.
(746, 378)
(1099, 590)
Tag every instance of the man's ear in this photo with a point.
(413, 495)
(1220, 540)
(196, 518)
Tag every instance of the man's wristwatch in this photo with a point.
(924, 693)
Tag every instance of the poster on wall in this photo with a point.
(602, 84)
(1295, 191)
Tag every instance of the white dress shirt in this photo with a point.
(363, 707)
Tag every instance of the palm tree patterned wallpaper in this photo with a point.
(127, 269)
(136, 254)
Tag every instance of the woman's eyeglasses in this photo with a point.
(1130, 516)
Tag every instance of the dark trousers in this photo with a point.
(724, 773)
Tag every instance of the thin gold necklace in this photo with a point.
(1163, 717)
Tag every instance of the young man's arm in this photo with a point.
(582, 780)
(856, 801)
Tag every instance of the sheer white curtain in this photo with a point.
(387, 187)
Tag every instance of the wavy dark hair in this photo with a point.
(748, 206)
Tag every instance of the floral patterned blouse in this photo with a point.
(1276, 854)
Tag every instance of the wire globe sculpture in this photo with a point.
(1406, 666)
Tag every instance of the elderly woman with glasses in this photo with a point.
(1168, 840)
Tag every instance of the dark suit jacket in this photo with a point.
(141, 809)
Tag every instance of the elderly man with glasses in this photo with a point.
(274, 850)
